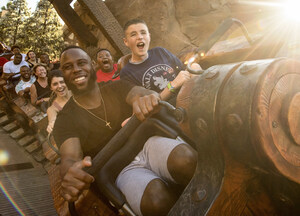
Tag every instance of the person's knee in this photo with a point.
(182, 163)
(157, 199)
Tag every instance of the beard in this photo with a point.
(91, 84)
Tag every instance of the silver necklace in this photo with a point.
(107, 123)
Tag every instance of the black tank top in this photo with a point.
(42, 92)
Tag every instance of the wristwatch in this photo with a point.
(171, 88)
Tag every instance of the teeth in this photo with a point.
(79, 79)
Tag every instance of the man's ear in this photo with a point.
(95, 65)
(125, 41)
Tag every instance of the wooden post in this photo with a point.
(107, 23)
(74, 23)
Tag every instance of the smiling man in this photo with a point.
(106, 66)
(23, 86)
(12, 68)
(17, 50)
(156, 69)
(95, 111)
(93, 115)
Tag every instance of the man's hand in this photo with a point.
(21, 93)
(145, 105)
(7, 76)
(76, 180)
(181, 78)
(50, 127)
(27, 89)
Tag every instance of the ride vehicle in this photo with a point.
(243, 120)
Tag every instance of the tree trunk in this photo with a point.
(17, 27)
(45, 20)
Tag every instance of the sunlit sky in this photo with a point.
(31, 3)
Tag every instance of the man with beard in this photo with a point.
(17, 50)
(44, 58)
(23, 86)
(12, 68)
(91, 118)
(106, 66)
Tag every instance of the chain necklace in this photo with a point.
(107, 123)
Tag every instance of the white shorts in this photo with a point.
(149, 164)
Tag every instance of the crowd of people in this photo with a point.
(86, 107)
(32, 79)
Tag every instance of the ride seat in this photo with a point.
(161, 124)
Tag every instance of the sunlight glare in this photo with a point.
(292, 10)
(4, 156)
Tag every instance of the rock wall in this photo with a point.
(179, 25)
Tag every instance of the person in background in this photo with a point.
(44, 59)
(106, 66)
(62, 95)
(2, 62)
(156, 69)
(31, 59)
(16, 49)
(23, 86)
(40, 91)
(11, 69)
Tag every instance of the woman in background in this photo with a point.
(31, 59)
(61, 96)
(40, 91)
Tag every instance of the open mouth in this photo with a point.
(61, 90)
(141, 45)
(79, 79)
(105, 61)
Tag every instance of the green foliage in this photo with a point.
(44, 30)
(12, 23)
(40, 31)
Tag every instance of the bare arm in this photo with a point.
(51, 113)
(165, 94)
(27, 89)
(33, 95)
(181, 78)
(6, 73)
(6, 76)
(143, 101)
(70, 152)
(74, 179)
(21, 93)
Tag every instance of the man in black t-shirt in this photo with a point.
(93, 115)
(89, 120)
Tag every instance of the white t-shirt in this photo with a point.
(23, 85)
(10, 67)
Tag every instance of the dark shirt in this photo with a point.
(42, 92)
(155, 72)
(31, 65)
(74, 121)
